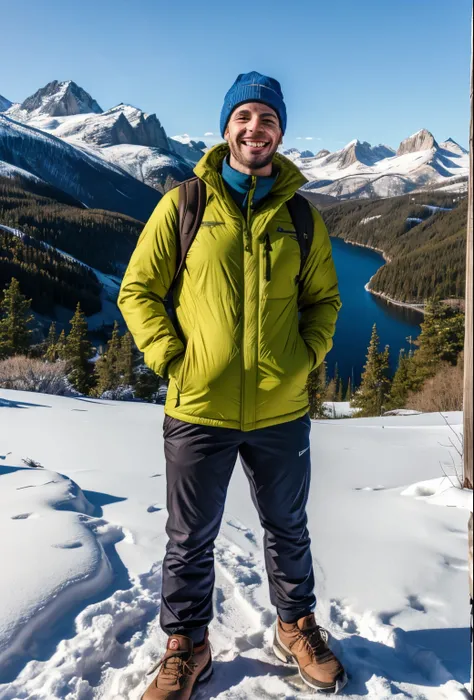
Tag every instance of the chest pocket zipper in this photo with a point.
(284, 230)
(268, 261)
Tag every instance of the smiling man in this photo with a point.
(256, 302)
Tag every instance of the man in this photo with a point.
(249, 331)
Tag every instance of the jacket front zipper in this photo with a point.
(247, 249)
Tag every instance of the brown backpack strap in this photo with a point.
(191, 206)
(302, 218)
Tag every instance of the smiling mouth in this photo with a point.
(255, 144)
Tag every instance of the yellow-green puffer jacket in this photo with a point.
(247, 351)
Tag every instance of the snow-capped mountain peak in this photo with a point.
(423, 140)
(359, 152)
(4, 104)
(453, 146)
(360, 170)
(56, 99)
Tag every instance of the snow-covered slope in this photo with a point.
(8, 170)
(150, 165)
(82, 537)
(359, 170)
(87, 177)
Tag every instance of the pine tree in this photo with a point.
(402, 382)
(441, 340)
(61, 346)
(372, 394)
(348, 394)
(126, 360)
(15, 316)
(107, 366)
(338, 384)
(330, 393)
(51, 352)
(78, 352)
(316, 387)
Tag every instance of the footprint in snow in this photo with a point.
(24, 516)
(68, 545)
(370, 488)
(415, 603)
(155, 508)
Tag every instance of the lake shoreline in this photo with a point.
(420, 308)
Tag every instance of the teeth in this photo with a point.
(255, 144)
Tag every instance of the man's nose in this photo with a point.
(253, 123)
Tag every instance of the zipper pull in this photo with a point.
(268, 266)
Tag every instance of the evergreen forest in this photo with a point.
(425, 247)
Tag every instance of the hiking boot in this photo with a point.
(304, 643)
(182, 666)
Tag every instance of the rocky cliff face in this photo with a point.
(119, 125)
(421, 141)
(359, 152)
(4, 104)
(60, 99)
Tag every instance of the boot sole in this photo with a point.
(285, 655)
(204, 676)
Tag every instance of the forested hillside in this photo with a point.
(423, 237)
(42, 217)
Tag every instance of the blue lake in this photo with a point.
(361, 309)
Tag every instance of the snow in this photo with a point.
(434, 209)
(82, 541)
(339, 409)
(8, 170)
(369, 218)
(142, 162)
(386, 177)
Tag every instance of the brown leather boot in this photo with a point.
(182, 666)
(304, 643)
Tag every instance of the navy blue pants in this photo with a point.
(199, 464)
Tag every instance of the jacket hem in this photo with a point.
(236, 425)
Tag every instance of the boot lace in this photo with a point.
(315, 642)
(175, 666)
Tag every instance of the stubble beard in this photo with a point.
(256, 163)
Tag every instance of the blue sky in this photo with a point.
(376, 70)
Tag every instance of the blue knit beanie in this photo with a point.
(254, 87)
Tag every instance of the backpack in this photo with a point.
(191, 206)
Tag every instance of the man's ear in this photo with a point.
(226, 134)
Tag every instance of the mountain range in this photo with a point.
(362, 171)
(131, 154)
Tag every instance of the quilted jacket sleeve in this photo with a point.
(319, 300)
(147, 280)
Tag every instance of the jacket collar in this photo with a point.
(289, 179)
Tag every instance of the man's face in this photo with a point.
(253, 134)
